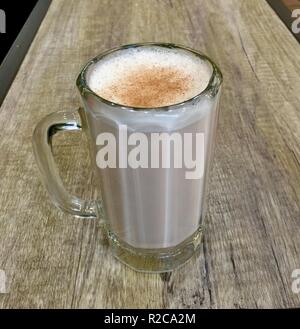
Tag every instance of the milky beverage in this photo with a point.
(152, 207)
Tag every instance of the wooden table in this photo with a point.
(252, 242)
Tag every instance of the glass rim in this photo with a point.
(211, 89)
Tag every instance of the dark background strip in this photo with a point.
(16, 53)
(283, 9)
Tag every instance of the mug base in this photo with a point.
(156, 260)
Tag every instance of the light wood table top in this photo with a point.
(252, 239)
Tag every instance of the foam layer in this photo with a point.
(149, 76)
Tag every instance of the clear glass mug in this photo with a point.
(153, 217)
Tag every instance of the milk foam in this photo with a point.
(115, 76)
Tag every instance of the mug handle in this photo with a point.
(42, 147)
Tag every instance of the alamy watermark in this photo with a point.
(152, 150)
(296, 22)
(3, 283)
(2, 21)
(296, 281)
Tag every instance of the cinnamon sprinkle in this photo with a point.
(149, 87)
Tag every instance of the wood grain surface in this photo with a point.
(252, 240)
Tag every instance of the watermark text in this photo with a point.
(3, 288)
(296, 22)
(2, 21)
(152, 150)
(296, 281)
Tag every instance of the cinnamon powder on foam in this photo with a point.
(149, 87)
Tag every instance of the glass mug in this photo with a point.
(153, 217)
